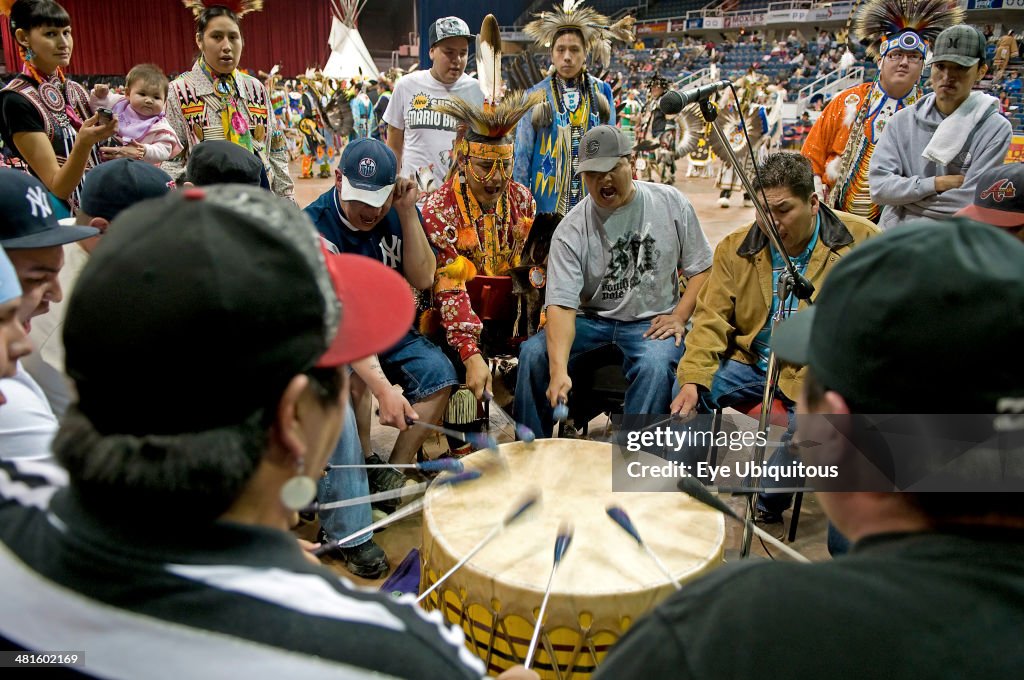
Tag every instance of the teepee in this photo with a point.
(349, 56)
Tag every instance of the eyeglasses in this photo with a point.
(912, 57)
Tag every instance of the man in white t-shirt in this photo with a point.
(33, 239)
(419, 134)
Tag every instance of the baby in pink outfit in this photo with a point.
(141, 127)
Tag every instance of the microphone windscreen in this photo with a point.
(671, 103)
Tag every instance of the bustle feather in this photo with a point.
(238, 7)
(494, 122)
(488, 60)
(879, 19)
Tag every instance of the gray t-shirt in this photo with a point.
(625, 265)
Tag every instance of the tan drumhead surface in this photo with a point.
(575, 479)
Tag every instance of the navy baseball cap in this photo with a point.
(218, 161)
(27, 219)
(368, 169)
(118, 184)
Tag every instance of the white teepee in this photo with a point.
(349, 56)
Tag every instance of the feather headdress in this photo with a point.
(496, 122)
(488, 59)
(591, 24)
(879, 21)
(238, 7)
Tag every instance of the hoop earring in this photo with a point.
(299, 491)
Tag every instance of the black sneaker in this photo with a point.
(384, 479)
(771, 522)
(365, 560)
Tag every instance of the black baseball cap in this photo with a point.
(115, 185)
(999, 197)
(199, 307)
(218, 161)
(27, 219)
(902, 321)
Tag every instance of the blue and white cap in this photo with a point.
(368, 169)
(9, 286)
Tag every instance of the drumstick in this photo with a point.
(620, 517)
(517, 512)
(561, 411)
(410, 509)
(478, 439)
(696, 490)
(438, 465)
(394, 493)
(523, 433)
(562, 542)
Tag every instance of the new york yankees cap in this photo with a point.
(999, 197)
(368, 169)
(27, 219)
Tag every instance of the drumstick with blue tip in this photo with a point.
(620, 517)
(562, 542)
(467, 476)
(561, 412)
(523, 433)
(452, 465)
(518, 511)
(479, 440)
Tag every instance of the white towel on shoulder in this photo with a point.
(952, 133)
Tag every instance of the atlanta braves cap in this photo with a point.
(999, 197)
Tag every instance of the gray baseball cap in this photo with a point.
(448, 27)
(961, 44)
(602, 147)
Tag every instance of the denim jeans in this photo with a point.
(738, 383)
(345, 483)
(419, 366)
(649, 366)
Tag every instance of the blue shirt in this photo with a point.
(382, 243)
(764, 336)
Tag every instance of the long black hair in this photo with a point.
(29, 14)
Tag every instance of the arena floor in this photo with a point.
(404, 536)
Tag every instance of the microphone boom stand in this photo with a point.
(790, 282)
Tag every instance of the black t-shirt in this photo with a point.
(18, 114)
(924, 605)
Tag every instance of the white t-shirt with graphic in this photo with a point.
(625, 264)
(429, 134)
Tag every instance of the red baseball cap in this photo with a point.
(377, 308)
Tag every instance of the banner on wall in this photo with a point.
(1015, 154)
(744, 20)
(714, 22)
(653, 27)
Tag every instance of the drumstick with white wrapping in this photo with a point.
(429, 466)
(408, 510)
(620, 517)
(394, 493)
(523, 433)
(478, 439)
(517, 511)
(562, 542)
(696, 490)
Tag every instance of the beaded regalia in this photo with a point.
(843, 138)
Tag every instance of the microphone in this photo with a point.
(673, 102)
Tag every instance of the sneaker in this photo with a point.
(384, 479)
(365, 560)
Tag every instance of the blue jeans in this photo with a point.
(419, 366)
(649, 365)
(338, 485)
(737, 383)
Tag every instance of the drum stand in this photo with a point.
(790, 282)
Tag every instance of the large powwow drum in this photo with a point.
(605, 581)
